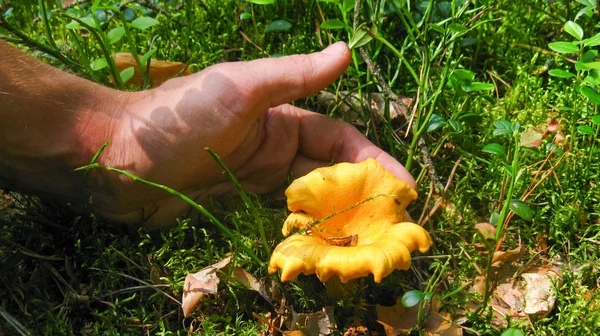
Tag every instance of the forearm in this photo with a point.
(50, 123)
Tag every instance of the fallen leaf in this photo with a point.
(200, 284)
(531, 137)
(314, 324)
(397, 319)
(531, 294)
(160, 71)
(266, 287)
(439, 325)
(479, 285)
(487, 230)
(503, 257)
(539, 291)
(553, 126)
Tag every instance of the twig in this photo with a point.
(438, 186)
(396, 99)
(443, 194)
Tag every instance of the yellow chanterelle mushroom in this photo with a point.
(351, 222)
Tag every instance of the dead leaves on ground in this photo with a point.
(198, 285)
(533, 136)
(519, 290)
(398, 319)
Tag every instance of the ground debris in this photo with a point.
(313, 324)
(399, 319)
(352, 103)
(200, 284)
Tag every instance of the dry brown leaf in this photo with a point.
(200, 284)
(160, 71)
(532, 294)
(553, 126)
(439, 325)
(487, 230)
(266, 287)
(479, 285)
(314, 324)
(357, 331)
(351, 105)
(504, 257)
(397, 319)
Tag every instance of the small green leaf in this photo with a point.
(147, 56)
(245, 16)
(278, 25)
(564, 47)
(74, 25)
(435, 122)
(99, 64)
(88, 21)
(129, 14)
(592, 41)
(360, 38)
(521, 209)
(478, 86)
(512, 332)
(126, 74)
(261, 2)
(494, 148)
(503, 127)
(596, 120)
(592, 65)
(332, 24)
(574, 30)
(456, 126)
(591, 94)
(515, 126)
(114, 35)
(585, 130)
(457, 28)
(143, 23)
(412, 298)
(347, 5)
(589, 56)
(560, 73)
(494, 218)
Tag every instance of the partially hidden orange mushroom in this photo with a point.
(349, 222)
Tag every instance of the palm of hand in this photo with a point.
(238, 110)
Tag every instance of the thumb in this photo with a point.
(274, 81)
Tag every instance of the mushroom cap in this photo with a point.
(361, 200)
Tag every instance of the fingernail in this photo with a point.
(336, 48)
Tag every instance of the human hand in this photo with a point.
(240, 111)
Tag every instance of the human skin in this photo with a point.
(52, 122)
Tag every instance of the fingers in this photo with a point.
(324, 139)
(270, 82)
